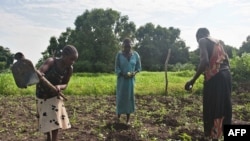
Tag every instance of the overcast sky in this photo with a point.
(27, 25)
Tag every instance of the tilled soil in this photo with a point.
(157, 118)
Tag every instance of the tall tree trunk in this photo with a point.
(166, 71)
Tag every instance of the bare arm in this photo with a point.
(204, 62)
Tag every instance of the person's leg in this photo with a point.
(217, 131)
(54, 135)
(118, 118)
(128, 117)
(48, 136)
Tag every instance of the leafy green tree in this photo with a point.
(229, 50)
(124, 29)
(55, 46)
(179, 53)
(240, 69)
(6, 58)
(245, 48)
(97, 37)
(153, 44)
(146, 48)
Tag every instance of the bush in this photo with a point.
(181, 67)
(240, 69)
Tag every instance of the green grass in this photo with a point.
(9, 87)
(147, 83)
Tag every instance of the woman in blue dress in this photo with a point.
(127, 65)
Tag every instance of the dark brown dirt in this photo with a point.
(157, 118)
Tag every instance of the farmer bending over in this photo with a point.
(51, 109)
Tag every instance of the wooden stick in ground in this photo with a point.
(166, 72)
(48, 84)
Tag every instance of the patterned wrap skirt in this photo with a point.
(52, 114)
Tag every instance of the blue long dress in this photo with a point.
(125, 100)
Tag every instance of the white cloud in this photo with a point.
(27, 25)
(22, 35)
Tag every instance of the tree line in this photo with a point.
(98, 35)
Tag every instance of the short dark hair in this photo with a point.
(127, 42)
(69, 50)
(202, 32)
(19, 56)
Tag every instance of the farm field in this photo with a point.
(157, 118)
(91, 109)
